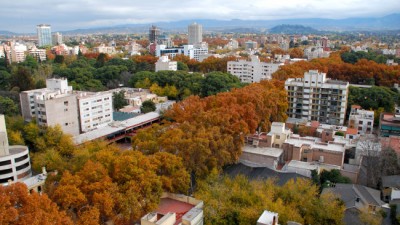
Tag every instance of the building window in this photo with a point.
(360, 122)
(65, 110)
(22, 166)
(3, 163)
(369, 123)
(66, 103)
(66, 124)
(22, 158)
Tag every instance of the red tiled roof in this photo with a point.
(171, 205)
(355, 107)
(351, 131)
(314, 124)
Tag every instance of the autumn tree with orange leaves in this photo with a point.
(208, 133)
(17, 206)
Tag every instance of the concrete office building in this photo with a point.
(193, 51)
(164, 63)
(318, 98)
(44, 34)
(252, 71)
(75, 112)
(14, 160)
(195, 33)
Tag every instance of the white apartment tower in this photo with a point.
(195, 33)
(44, 34)
(252, 71)
(318, 98)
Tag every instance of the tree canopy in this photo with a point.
(240, 201)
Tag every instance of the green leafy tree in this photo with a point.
(216, 82)
(148, 106)
(59, 59)
(5, 80)
(22, 78)
(8, 107)
(119, 100)
(182, 66)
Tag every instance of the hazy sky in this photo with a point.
(24, 15)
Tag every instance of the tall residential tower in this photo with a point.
(318, 98)
(195, 33)
(154, 32)
(44, 34)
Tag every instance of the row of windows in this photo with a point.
(23, 166)
(7, 162)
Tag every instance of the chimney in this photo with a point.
(44, 170)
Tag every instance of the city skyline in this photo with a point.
(23, 16)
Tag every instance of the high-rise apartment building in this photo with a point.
(252, 71)
(154, 32)
(44, 34)
(195, 33)
(318, 98)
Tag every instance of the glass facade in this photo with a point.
(44, 34)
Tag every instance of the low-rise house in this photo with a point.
(360, 119)
(262, 156)
(356, 198)
(389, 124)
(176, 209)
(391, 189)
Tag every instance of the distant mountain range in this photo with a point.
(293, 29)
(389, 22)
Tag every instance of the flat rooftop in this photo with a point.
(311, 165)
(266, 151)
(315, 143)
(390, 120)
(115, 127)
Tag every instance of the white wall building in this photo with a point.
(38, 53)
(164, 63)
(14, 160)
(95, 110)
(252, 71)
(232, 44)
(362, 120)
(193, 51)
(75, 112)
(318, 98)
(57, 39)
(105, 49)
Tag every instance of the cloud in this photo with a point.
(24, 15)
